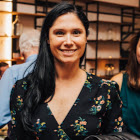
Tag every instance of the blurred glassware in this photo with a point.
(109, 68)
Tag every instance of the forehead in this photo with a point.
(68, 20)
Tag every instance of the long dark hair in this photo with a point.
(41, 82)
(133, 67)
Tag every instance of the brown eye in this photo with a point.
(59, 33)
(76, 32)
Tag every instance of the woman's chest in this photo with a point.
(83, 118)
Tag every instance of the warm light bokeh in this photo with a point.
(6, 30)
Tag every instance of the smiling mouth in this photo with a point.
(68, 51)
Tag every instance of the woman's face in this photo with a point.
(138, 51)
(67, 39)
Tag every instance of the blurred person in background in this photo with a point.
(3, 67)
(28, 45)
(129, 86)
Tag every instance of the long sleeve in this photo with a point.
(113, 116)
(16, 103)
(6, 84)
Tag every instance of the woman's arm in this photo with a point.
(112, 120)
(16, 104)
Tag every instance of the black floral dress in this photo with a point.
(97, 110)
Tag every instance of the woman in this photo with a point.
(129, 85)
(58, 100)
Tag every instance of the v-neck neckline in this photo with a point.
(71, 109)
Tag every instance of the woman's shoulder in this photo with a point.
(106, 88)
(93, 78)
(19, 89)
(18, 94)
(21, 84)
(100, 81)
(119, 78)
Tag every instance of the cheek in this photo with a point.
(81, 41)
(55, 42)
(138, 54)
(138, 51)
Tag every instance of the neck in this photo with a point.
(27, 55)
(67, 71)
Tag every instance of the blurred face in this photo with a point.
(67, 39)
(138, 51)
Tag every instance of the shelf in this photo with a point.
(15, 36)
(111, 22)
(24, 14)
(93, 59)
(107, 22)
(15, 59)
(108, 3)
(104, 41)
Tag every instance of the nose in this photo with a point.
(68, 40)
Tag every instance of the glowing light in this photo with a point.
(6, 30)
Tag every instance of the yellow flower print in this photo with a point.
(62, 134)
(39, 127)
(79, 127)
(96, 102)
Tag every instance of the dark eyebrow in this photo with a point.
(64, 29)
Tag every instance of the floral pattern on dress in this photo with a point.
(19, 102)
(13, 121)
(87, 82)
(119, 125)
(97, 106)
(79, 127)
(38, 128)
(61, 134)
(24, 85)
(108, 101)
(104, 82)
(99, 126)
(88, 85)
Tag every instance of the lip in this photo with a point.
(68, 52)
